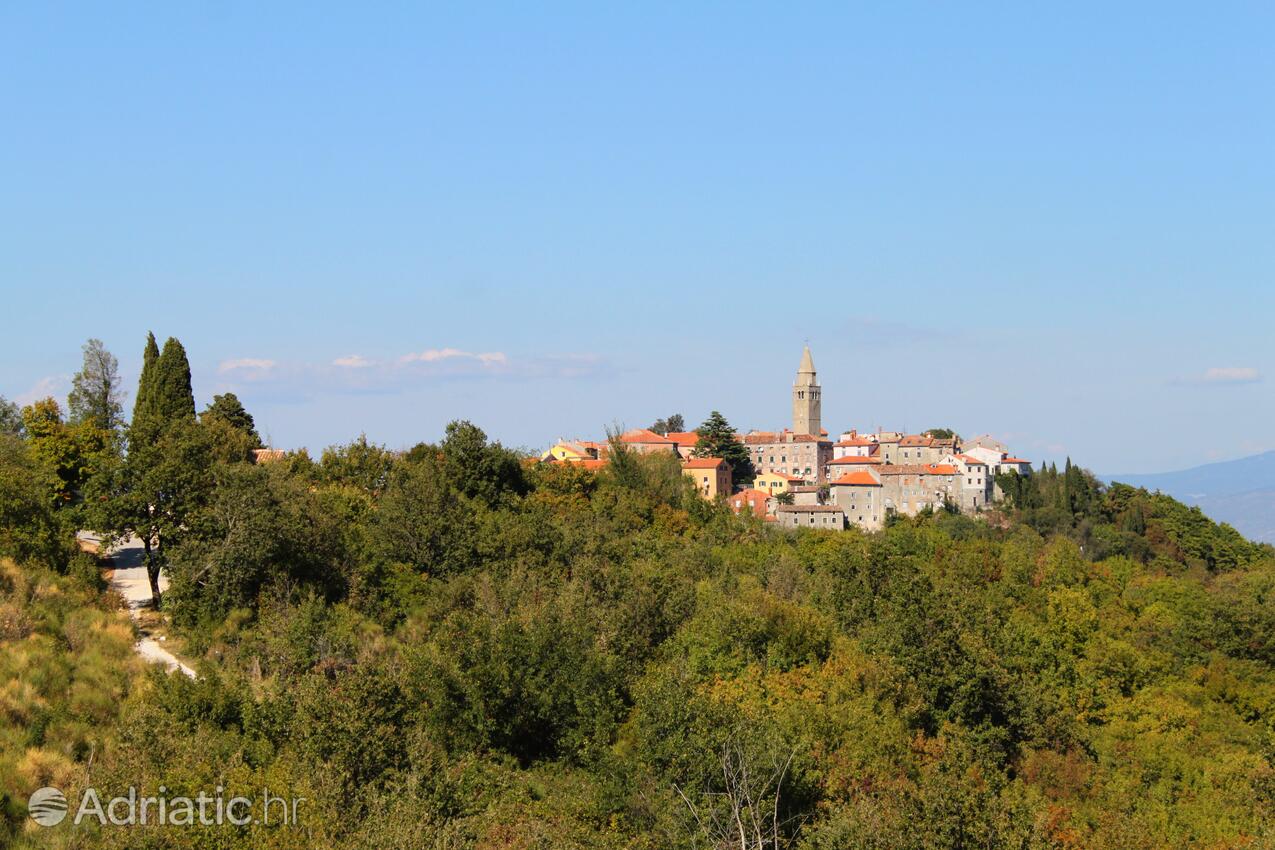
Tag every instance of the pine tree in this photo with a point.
(717, 439)
(230, 410)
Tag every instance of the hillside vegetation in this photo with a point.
(456, 648)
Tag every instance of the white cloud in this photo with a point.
(246, 364)
(1231, 375)
(353, 361)
(438, 355)
(43, 388)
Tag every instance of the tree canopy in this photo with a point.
(717, 438)
(460, 646)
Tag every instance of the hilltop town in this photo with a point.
(801, 477)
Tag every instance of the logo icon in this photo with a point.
(47, 806)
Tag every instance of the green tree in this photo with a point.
(95, 390)
(665, 426)
(479, 469)
(28, 526)
(10, 418)
(71, 451)
(166, 476)
(941, 433)
(718, 439)
(228, 408)
(231, 429)
(144, 422)
(174, 401)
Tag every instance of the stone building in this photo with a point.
(827, 517)
(911, 488)
(858, 493)
(789, 453)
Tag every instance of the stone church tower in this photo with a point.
(805, 397)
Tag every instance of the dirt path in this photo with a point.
(128, 578)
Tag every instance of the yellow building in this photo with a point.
(564, 450)
(775, 483)
(710, 474)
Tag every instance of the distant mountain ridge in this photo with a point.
(1239, 492)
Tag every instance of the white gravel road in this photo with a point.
(130, 581)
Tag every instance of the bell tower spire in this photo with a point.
(805, 397)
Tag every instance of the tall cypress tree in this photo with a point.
(146, 384)
(174, 400)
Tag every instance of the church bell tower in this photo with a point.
(805, 397)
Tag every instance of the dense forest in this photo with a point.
(455, 646)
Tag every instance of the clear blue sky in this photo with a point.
(1056, 225)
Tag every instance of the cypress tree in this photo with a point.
(146, 384)
(174, 400)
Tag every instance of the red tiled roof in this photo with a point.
(916, 440)
(702, 463)
(857, 441)
(754, 499)
(1015, 460)
(858, 478)
(853, 460)
(971, 461)
(683, 438)
(644, 435)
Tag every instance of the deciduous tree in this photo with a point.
(95, 390)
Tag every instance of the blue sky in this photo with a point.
(1052, 225)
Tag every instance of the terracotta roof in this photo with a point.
(644, 435)
(683, 438)
(702, 463)
(1015, 460)
(858, 478)
(267, 455)
(857, 441)
(854, 460)
(971, 461)
(916, 440)
(592, 463)
(754, 499)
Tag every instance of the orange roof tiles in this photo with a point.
(702, 463)
(858, 478)
(854, 460)
(756, 500)
(683, 438)
(1015, 460)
